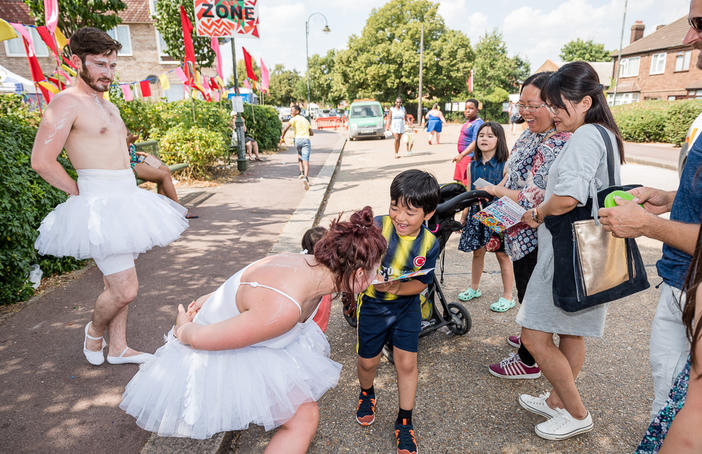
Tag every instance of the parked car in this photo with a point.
(366, 120)
(692, 135)
(284, 114)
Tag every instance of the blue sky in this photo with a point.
(533, 29)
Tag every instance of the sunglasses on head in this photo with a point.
(695, 22)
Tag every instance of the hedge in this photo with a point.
(24, 201)
(656, 121)
(263, 124)
(200, 147)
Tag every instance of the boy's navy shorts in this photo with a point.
(400, 321)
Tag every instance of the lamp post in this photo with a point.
(326, 29)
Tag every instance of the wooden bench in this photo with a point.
(151, 147)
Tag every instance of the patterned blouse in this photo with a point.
(653, 440)
(527, 172)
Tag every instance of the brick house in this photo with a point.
(602, 68)
(657, 66)
(142, 56)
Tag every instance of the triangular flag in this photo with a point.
(198, 78)
(220, 82)
(215, 95)
(145, 88)
(126, 92)
(45, 35)
(105, 94)
(60, 39)
(49, 86)
(6, 31)
(187, 40)
(214, 44)
(249, 65)
(68, 70)
(181, 74)
(264, 76)
(165, 83)
(247, 84)
(51, 13)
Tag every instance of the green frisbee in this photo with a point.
(609, 200)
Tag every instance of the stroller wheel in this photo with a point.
(462, 322)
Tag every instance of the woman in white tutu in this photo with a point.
(249, 352)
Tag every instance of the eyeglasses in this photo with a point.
(553, 110)
(696, 23)
(528, 108)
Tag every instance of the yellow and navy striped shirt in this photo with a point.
(404, 255)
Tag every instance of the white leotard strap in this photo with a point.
(256, 284)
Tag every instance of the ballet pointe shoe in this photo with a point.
(95, 358)
(134, 359)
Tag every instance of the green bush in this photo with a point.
(13, 105)
(199, 147)
(263, 124)
(656, 121)
(680, 116)
(24, 201)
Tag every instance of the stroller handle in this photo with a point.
(458, 203)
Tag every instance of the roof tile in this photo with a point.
(664, 38)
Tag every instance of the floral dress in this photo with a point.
(527, 172)
(653, 440)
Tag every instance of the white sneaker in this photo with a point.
(538, 405)
(563, 426)
(306, 182)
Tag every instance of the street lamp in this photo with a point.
(326, 29)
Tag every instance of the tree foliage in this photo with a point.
(75, 14)
(493, 68)
(168, 24)
(284, 86)
(383, 62)
(579, 49)
(325, 84)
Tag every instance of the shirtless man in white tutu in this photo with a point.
(250, 352)
(106, 216)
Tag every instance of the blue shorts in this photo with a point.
(303, 148)
(399, 321)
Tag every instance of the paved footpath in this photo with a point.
(460, 407)
(51, 399)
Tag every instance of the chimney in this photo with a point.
(637, 31)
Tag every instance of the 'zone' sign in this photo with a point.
(226, 18)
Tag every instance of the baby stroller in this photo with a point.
(454, 316)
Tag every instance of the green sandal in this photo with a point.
(469, 294)
(502, 305)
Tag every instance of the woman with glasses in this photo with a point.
(527, 173)
(396, 123)
(575, 98)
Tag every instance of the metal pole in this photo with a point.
(307, 59)
(421, 57)
(618, 66)
(239, 124)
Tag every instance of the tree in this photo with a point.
(75, 14)
(383, 62)
(241, 72)
(283, 83)
(579, 49)
(324, 86)
(168, 24)
(493, 68)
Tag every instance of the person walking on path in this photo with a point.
(491, 153)
(435, 120)
(250, 352)
(527, 174)
(466, 141)
(395, 123)
(577, 103)
(668, 345)
(513, 113)
(303, 132)
(106, 217)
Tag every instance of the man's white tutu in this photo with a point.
(110, 216)
(183, 392)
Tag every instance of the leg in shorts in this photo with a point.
(398, 321)
(303, 149)
(115, 263)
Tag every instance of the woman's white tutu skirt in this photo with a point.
(184, 392)
(110, 216)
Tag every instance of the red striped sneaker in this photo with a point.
(513, 368)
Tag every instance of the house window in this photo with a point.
(629, 67)
(682, 61)
(152, 7)
(121, 34)
(694, 94)
(15, 47)
(658, 63)
(623, 98)
(162, 47)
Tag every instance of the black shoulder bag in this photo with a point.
(590, 265)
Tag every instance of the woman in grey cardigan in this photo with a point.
(576, 100)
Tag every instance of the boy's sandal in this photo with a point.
(189, 215)
(502, 305)
(469, 294)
